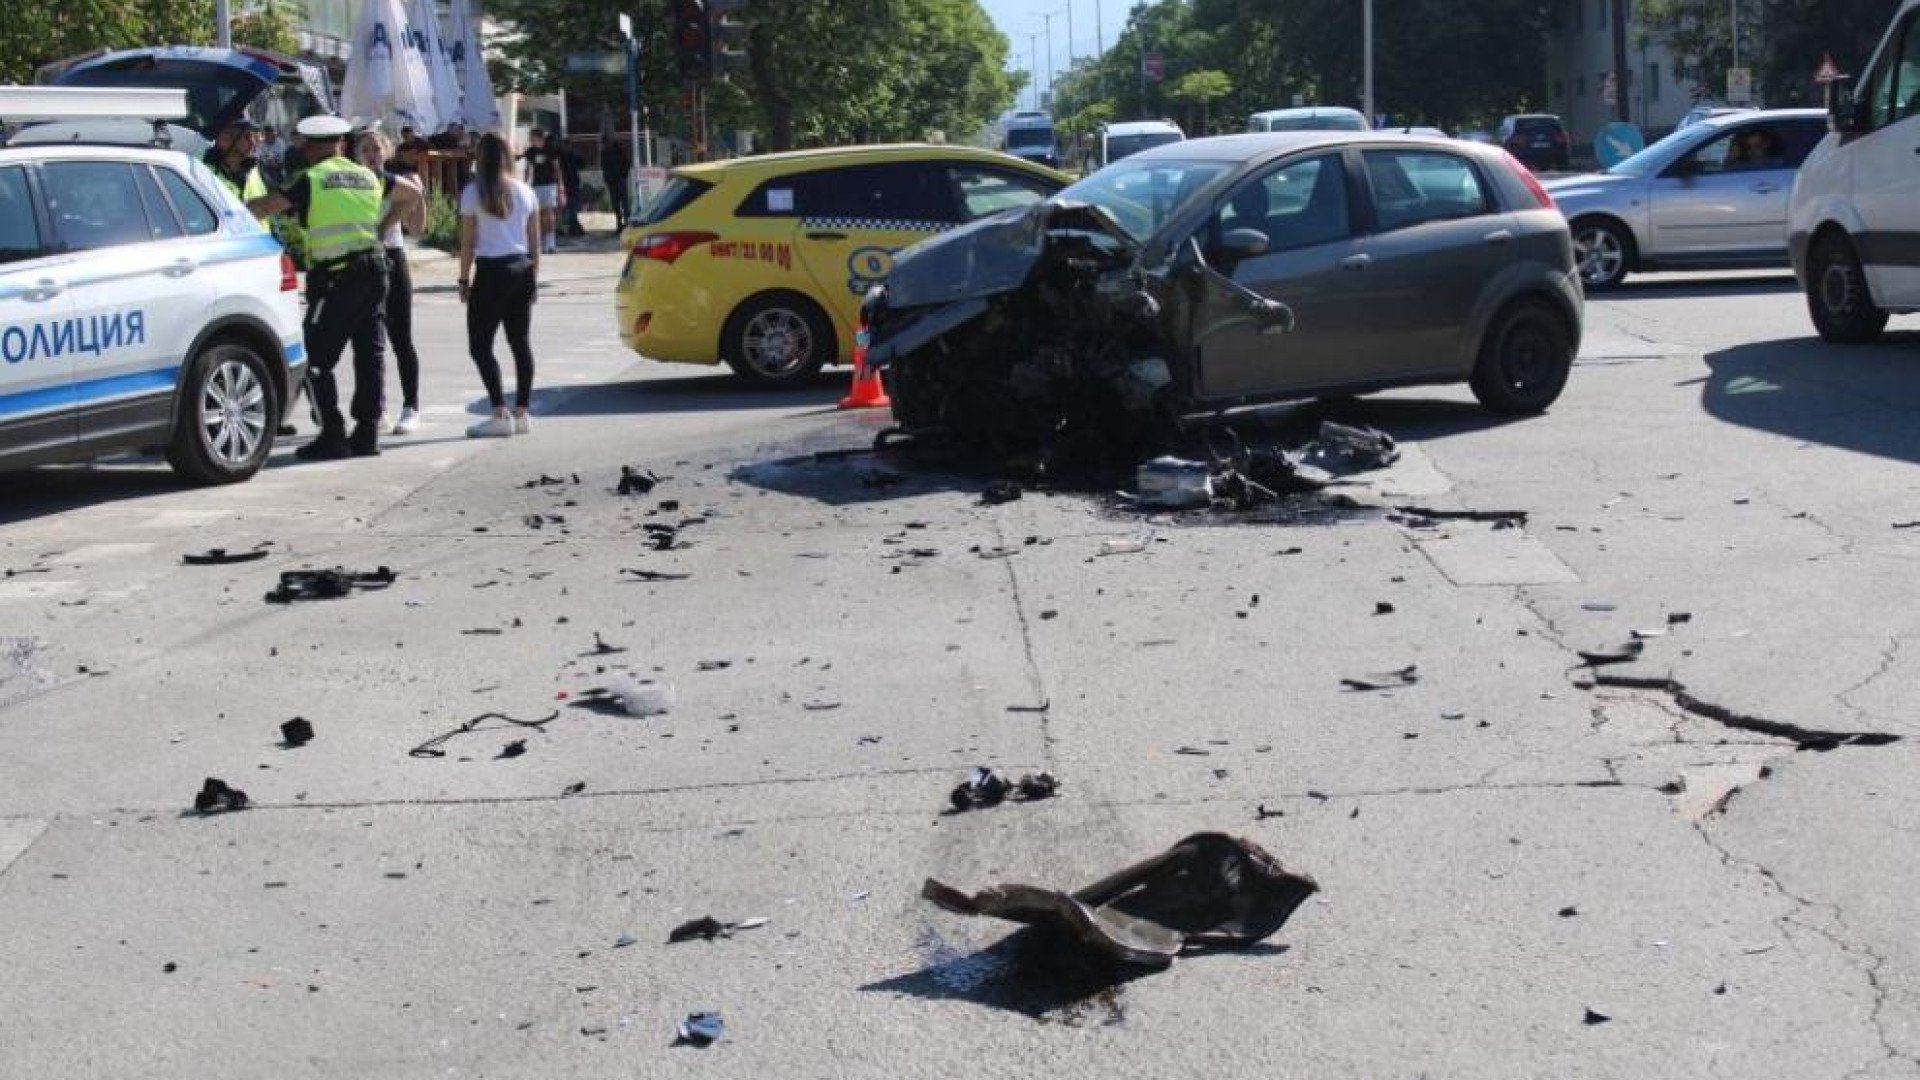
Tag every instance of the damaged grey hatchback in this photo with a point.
(1203, 276)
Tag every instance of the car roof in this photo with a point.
(1308, 111)
(1143, 127)
(87, 152)
(800, 160)
(1257, 145)
(1747, 116)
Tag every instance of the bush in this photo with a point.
(443, 224)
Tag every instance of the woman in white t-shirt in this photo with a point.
(499, 266)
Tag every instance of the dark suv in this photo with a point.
(1539, 140)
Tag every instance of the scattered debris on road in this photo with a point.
(1343, 448)
(1593, 1018)
(1208, 888)
(1421, 517)
(1384, 680)
(653, 575)
(435, 747)
(708, 928)
(984, 788)
(1625, 653)
(635, 697)
(296, 732)
(223, 557)
(326, 584)
(636, 482)
(216, 797)
(701, 1029)
(998, 492)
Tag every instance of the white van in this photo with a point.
(1119, 140)
(1309, 118)
(1854, 223)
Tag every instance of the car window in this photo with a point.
(194, 212)
(898, 194)
(19, 233)
(159, 215)
(1906, 75)
(1299, 205)
(1752, 148)
(985, 192)
(1412, 187)
(95, 204)
(1142, 195)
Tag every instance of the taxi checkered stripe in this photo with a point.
(874, 223)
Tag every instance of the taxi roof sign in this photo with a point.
(92, 103)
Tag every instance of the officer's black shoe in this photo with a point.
(365, 440)
(332, 445)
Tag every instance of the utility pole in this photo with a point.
(1099, 30)
(1366, 37)
(222, 24)
(1622, 78)
(1733, 29)
(1033, 65)
(1069, 37)
(1048, 17)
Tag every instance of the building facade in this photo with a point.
(1580, 65)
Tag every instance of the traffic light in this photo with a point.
(693, 39)
(727, 33)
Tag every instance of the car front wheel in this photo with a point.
(1524, 359)
(228, 412)
(1837, 294)
(1601, 251)
(778, 339)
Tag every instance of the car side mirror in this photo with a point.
(1684, 169)
(1241, 244)
(1843, 109)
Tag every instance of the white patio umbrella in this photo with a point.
(387, 78)
(478, 109)
(437, 53)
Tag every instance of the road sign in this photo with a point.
(1829, 71)
(1154, 66)
(1739, 86)
(610, 62)
(1617, 142)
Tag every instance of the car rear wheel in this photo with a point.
(778, 339)
(228, 412)
(1524, 359)
(1837, 293)
(1601, 250)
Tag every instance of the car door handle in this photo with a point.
(1356, 262)
(1765, 188)
(826, 236)
(44, 289)
(180, 267)
(1498, 238)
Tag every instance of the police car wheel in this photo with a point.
(778, 339)
(227, 415)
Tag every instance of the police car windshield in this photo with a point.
(1141, 196)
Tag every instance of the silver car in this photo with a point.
(1712, 196)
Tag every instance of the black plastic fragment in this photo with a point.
(223, 557)
(326, 584)
(296, 732)
(1384, 680)
(1000, 491)
(705, 928)
(635, 482)
(216, 797)
(1593, 1018)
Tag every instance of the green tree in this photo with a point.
(39, 33)
(1782, 40)
(1202, 88)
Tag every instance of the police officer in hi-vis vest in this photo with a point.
(337, 200)
(232, 159)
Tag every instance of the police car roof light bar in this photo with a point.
(92, 103)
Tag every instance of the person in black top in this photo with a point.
(570, 198)
(543, 172)
(616, 167)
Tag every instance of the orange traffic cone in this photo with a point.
(867, 392)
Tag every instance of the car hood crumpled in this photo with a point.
(991, 256)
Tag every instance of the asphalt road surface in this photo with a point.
(1715, 849)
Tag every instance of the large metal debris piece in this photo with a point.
(1341, 448)
(1208, 888)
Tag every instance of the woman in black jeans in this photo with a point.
(499, 264)
(403, 210)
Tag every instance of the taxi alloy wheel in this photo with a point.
(229, 408)
(778, 339)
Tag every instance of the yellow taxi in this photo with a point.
(762, 262)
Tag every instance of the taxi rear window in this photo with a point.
(679, 193)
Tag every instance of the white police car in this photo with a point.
(141, 306)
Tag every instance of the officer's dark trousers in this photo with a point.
(345, 304)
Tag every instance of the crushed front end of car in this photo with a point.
(1034, 340)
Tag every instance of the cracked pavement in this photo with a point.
(1508, 842)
